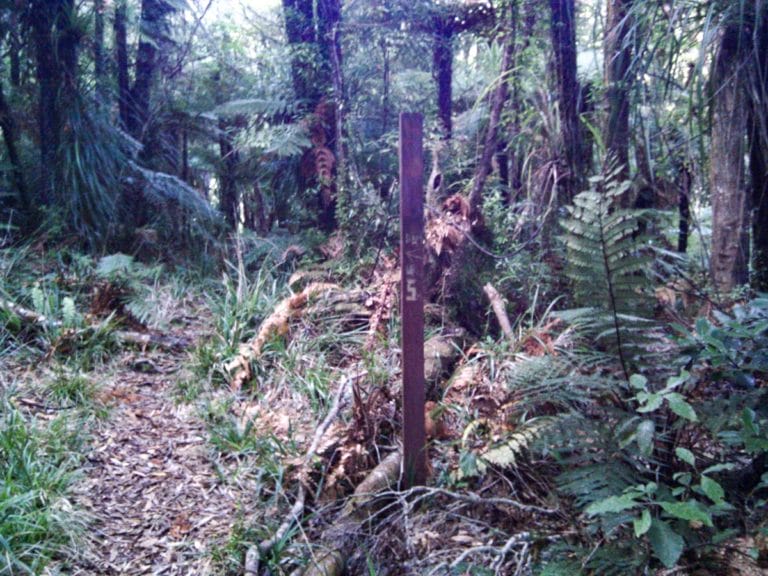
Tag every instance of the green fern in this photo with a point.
(608, 267)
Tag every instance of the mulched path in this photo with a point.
(157, 503)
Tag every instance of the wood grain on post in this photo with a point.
(412, 297)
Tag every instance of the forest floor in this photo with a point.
(262, 434)
(154, 502)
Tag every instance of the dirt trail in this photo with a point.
(157, 503)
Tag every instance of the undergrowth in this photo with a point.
(38, 465)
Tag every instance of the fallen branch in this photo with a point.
(253, 554)
(497, 303)
(275, 324)
(143, 339)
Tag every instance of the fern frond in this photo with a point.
(505, 455)
(607, 265)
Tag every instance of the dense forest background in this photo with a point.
(596, 212)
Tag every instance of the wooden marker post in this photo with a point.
(412, 297)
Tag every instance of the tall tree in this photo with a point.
(563, 30)
(154, 40)
(120, 28)
(315, 69)
(730, 214)
(758, 140)
(618, 82)
(56, 40)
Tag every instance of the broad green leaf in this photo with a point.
(667, 544)
(712, 489)
(613, 504)
(675, 381)
(644, 435)
(718, 468)
(685, 455)
(638, 381)
(643, 523)
(679, 406)
(651, 403)
(690, 511)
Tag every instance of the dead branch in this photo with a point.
(275, 324)
(142, 339)
(253, 554)
(497, 303)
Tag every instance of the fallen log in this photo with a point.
(143, 339)
(340, 535)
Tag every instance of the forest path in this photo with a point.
(157, 503)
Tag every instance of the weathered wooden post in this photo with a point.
(412, 297)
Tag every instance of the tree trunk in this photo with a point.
(10, 135)
(564, 43)
(758, 159)
(49, 83)
(154, 34)
(98, 50)
(15, 45)
(121, 58)
(485, 164)
(227, 176)
(300, 31)
(442, 69)
(684, 209)
(618, 80)
(730, 224)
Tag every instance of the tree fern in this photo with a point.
(607, 266)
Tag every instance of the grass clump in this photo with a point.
(37, 468)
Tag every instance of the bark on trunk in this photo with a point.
(684, 209)
(48, 81)
(730, 224)
(227, 176)
(10, 135)
(564, 43)
(299, 29)
(121, 61)
(759, 155)
(15, 45)
(442, 69)
(618, 79)
(485, 164)
(98, 49)
(154, 34)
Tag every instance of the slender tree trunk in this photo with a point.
(299, 29)
(442, 69)
(564, 42)
(99, 66)
(121, 60)
(227, 176)
(485, 164)
(618, 79)
(758, 162)
(15, 45)
(10, 135)
(48, 81)
(684, 210)
(385, 81)
(730, 224)
(154, 35)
